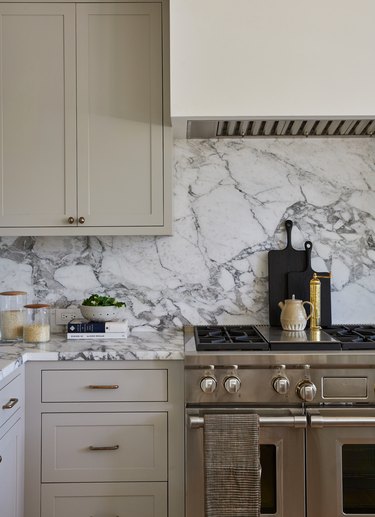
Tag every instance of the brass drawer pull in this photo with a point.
(108, 448)
(104, 386)
(10, 404)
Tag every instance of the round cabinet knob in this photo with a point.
(81, 220)
(232, 384)
(281, 385)
(208, 384)
(306, 390)
(71, 220)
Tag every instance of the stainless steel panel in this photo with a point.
(290, 451)
(344, 387)
(324, 459)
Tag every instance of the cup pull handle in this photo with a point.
(10, 404)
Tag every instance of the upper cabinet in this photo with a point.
(84, 143)
(271, 59)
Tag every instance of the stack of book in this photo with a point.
(83, 329)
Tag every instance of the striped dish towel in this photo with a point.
(232, 465)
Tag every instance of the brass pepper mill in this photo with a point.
(315, 299)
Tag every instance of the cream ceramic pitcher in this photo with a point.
(293, 315)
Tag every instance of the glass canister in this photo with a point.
(36, 323)
(11, 315)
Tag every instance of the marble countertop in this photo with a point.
(140, 345)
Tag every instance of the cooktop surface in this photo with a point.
(265, 337)
(229, 337)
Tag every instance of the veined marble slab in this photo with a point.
(231, 199)
(139, 345)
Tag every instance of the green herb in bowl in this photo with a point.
(102, 308)
(97, 300)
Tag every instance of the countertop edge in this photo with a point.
(140, 346)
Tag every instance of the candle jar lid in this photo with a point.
(13, 293)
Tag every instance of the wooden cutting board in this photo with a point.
(299, 285)
(280, 263)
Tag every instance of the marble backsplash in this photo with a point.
(231, 198)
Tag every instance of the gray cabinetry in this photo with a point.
(12, 446)
(104, 439)
(83, 139)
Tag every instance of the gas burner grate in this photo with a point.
(239, 337)
(353, 337)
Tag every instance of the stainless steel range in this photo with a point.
(314, 394)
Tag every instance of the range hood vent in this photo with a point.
(280, 128)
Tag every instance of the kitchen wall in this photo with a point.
(230, 200)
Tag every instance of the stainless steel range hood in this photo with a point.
(279, 128)
(265, 68)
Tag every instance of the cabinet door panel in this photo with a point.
(37, 112)
(119, 114)
(99, 500)
(136, 447)
(11, 471)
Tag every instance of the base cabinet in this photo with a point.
(11, 471)
(105, 499)
(12, 446)
(104, 440)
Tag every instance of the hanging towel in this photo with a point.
(232, 465)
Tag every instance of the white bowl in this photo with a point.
(110, 313)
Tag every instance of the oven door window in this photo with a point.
(358, 478)
(268, 479)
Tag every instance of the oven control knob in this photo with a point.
(281, 385)
(306, 390)
(208, 384)
(232, 384)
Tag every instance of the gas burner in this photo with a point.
(213, 338)
(353, 337)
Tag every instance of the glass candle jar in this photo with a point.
(11, 315)
(36, 323)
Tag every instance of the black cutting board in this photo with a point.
(299, 285)
(280, 263)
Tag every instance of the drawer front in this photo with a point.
(105, 386)
(11, 399)
(99, 500)
(104, 447)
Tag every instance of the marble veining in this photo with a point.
(231, 198)
(142, 345)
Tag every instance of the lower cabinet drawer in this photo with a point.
(84, 447)
(105, 500)
(105, 386)
(11, 399)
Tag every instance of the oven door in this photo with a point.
(341, 462)
(282, 454)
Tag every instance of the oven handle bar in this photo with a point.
(195, 422)
(341, 421)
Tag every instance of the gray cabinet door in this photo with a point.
(120, 114)
(11, 471)
(37, 115)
